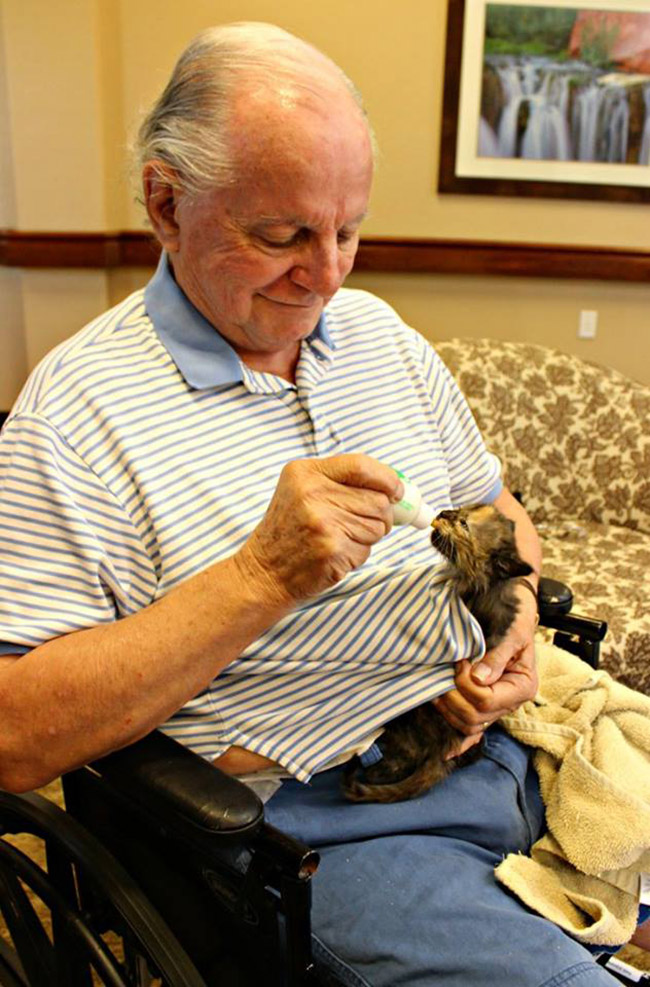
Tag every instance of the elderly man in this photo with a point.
(203, 481)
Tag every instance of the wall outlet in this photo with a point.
(587, 324)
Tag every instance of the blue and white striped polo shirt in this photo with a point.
(141, 450)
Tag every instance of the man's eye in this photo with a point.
(343, 237)
(279, 238)
(279, 243)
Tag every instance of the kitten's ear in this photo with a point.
(523, 569)
(508, 565)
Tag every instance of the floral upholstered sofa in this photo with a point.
(574, 440)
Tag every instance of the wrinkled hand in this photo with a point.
(322, 521)
(505, 678)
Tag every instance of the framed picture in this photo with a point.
(550, 98)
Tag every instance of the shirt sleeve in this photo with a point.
(474, 472)
(70, 556)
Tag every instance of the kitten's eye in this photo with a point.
(464, 525)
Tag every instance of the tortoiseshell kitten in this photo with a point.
(479, 544)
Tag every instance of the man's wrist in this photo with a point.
(530, 587)
(259, 583)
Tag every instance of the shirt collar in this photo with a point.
(202, 355)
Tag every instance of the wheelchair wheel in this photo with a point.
(11, 972)
(79, 920)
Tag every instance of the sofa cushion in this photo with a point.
(605, 565)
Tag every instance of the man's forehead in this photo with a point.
(276, 118)
(306, 85)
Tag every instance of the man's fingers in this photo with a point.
(358, 470)
(478, 696)
(462, 715)
(356, 489)
(362, 510)
(465, 745)
(491, 667)
(470, 706)
(323, 519)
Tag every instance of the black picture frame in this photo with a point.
(450, 178)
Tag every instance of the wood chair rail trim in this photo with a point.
(131, 248)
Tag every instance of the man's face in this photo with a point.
(263, 257)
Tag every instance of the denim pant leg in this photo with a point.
(405, 895)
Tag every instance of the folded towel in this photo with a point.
(592, 752)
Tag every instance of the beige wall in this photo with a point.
(76, 74)
(13, 366)
(525, 309)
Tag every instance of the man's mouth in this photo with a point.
(278, 301)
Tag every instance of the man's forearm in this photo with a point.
(82, 695)
(526, 536)
(79, 696)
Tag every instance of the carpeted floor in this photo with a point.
(638, 958)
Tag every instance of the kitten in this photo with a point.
(479, 544)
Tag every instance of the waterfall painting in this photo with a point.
(550, 98)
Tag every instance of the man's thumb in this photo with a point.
(490, 668)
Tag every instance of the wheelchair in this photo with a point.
(162, 871)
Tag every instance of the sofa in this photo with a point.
(574, 441)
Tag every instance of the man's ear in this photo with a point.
(160, 189)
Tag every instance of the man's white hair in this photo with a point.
(187, 129)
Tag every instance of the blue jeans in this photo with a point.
(405, 895)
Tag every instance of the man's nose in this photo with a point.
(322, 268)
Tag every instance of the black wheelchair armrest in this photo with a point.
(575, 633)
(553, 598)
(196, 841)
(173, 783)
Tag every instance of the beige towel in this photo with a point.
(592, 741)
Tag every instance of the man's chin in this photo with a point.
(299, 319)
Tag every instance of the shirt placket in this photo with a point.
(302, 399)
(315, 360)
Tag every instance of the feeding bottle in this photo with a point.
(411, 509)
